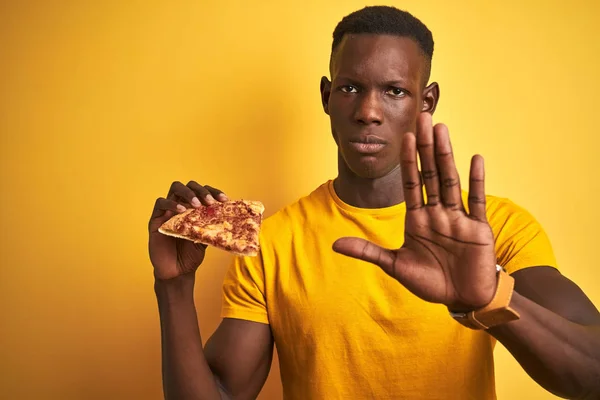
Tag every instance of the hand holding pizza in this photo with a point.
(448, 253)
(172, 257)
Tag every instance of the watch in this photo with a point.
(497, 312)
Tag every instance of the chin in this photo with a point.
(370, 167)
(367, 166)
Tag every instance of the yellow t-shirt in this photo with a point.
(343, 328)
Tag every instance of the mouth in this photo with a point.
(367, 148)
(368, 144)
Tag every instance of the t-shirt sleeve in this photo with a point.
(244, 290)
(521, 242)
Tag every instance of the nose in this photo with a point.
(369, 109)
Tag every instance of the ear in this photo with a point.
(325, 93)
(431, 96)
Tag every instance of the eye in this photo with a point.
(396, 92)
(349, 89)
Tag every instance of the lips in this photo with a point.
(367, 148)
(368, 144)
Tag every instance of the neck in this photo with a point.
(368, 192)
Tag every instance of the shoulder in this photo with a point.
(503, 214)
(501, 209)
(520, 239)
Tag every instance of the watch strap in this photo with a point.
(497, 311)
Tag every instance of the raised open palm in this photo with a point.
(448, 254)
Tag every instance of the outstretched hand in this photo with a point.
(448, 254)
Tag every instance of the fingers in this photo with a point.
(439, 173)
(216, 193)
(366, 251)
(207, 194)
(163, 210)
(180, 198)
(477, 189)
(429, 171)
(180, 191)
(449, 180)
(195, 194)
(411, 178)
(168, 205)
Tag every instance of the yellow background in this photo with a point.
(103, 104)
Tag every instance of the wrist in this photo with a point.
(180, 288)
(497, 312)
(465, 308)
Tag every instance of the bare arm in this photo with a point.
(237, 358)
(449, 256)
(186, 374)
(240, 355)
(557, 339)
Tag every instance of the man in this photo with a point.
(422, 325)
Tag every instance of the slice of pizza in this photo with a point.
(233, 226)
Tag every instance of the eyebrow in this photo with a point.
(393, 82)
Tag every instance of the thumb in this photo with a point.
(364, 250)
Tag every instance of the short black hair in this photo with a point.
(385, 20)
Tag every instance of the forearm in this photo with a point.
(186, 374)
(561, 356)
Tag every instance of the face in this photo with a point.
(375, 96)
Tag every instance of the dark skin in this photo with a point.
(237, 358)
(384, 104)
(378, 91)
